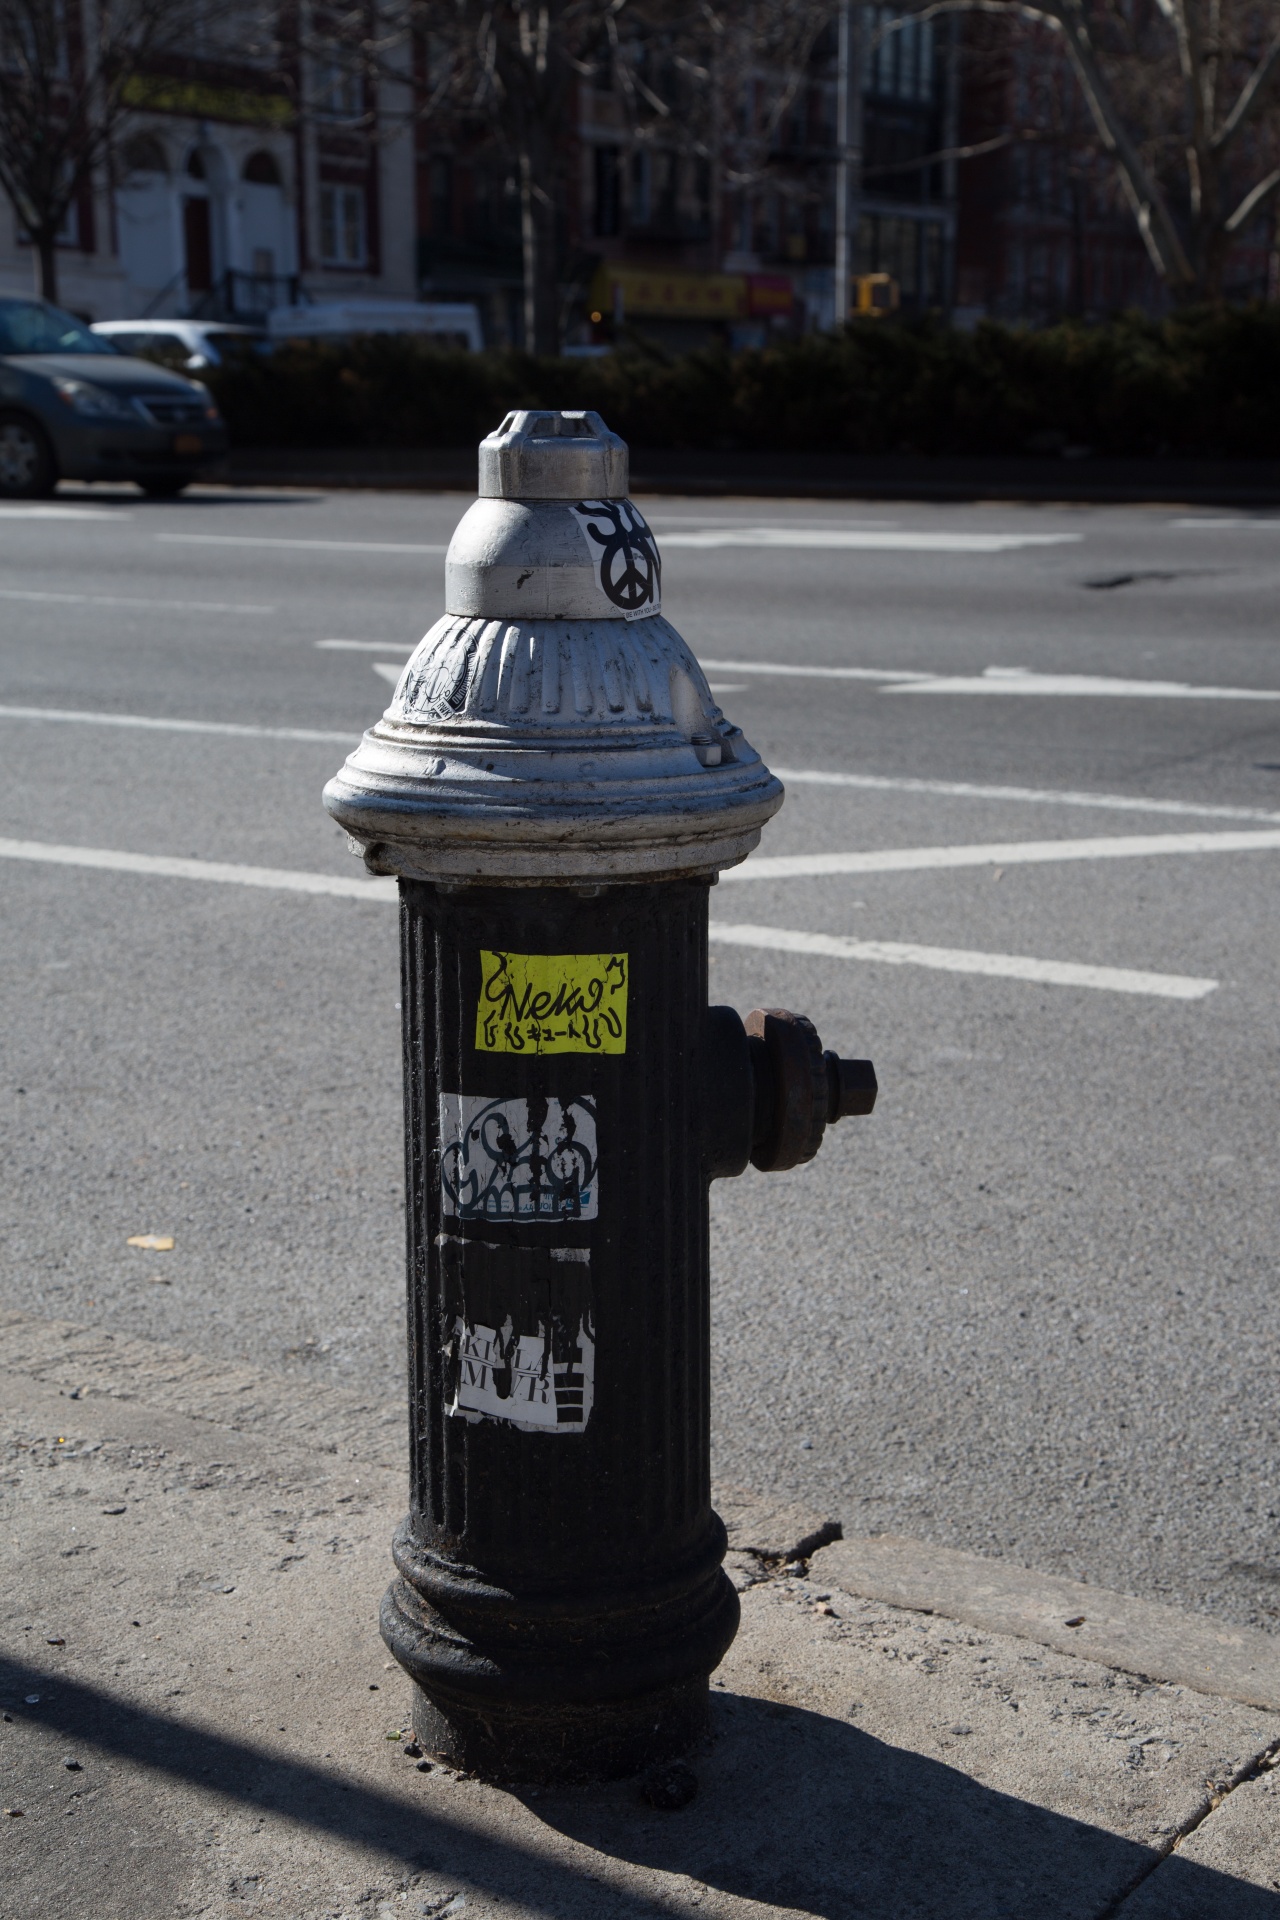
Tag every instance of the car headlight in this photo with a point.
(94, 402)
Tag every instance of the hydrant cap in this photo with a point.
(553, 456)
(553, 728)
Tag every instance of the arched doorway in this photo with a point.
(197, 225)
(205, 251)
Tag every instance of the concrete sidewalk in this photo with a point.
(200, 1718)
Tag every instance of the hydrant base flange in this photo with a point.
(569, 1745)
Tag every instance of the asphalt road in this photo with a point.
(1027, 1308)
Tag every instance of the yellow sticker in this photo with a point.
(552, 1003)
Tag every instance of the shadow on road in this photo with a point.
(202, 496)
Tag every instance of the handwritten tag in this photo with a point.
(552, 1003)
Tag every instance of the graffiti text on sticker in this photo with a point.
(552, 1003)
(524, 1159)
(541, 1382)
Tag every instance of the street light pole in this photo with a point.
(848, 155)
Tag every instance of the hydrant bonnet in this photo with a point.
(553, 727)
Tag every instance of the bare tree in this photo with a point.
(736, 68)
(513, 64)
(66, 68)
(1184, 103)
(709, 79)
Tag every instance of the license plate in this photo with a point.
(188, 443)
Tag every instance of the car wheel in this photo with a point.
(27, 467)
(164, 487)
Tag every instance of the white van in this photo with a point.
(187, 343)
(452, 323)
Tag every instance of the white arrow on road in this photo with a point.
(1019, 680)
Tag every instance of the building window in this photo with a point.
(665, 186)
(260, 169)
(342, 226)
(340, 87)
(143, 154)
(608, 193)
(902, 63)
(441, 187)
(933, 288)
(641, 205)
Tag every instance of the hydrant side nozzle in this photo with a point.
(851, 1087)
(791, 1083)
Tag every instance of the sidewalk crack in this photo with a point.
(1261, 1763)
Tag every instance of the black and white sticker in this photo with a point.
(520, 1335)
(624, 554)
(518, 1159)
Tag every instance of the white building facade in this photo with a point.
(224, 199)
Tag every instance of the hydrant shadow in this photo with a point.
(809, 1815)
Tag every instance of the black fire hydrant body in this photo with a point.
(556, 788)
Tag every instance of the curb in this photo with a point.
(1115, 1629)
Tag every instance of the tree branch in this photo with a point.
(1163, 242)
(947, 153)
(1255, 198)
(1250, 97)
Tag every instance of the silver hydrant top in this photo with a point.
(553, 728)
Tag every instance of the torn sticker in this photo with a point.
(521, 1325)
(552, 1003)
(518, 1159)
(624, 554)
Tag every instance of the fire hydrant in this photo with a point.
(555, 788)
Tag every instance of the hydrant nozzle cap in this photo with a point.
(537, 455)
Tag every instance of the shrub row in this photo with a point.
(1203, 383)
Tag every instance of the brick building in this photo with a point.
(655, 236)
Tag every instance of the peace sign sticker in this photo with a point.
(624, 554)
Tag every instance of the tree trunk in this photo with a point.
(538, 235)
(45, 248)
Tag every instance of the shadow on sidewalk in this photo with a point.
(797, 1811)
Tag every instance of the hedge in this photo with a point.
(1203, 383)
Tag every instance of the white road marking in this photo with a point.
(1201, 521)
(226, 727)
(16, 510)
(275, 879)
(787, 671)
(1018, 680)
(389, 670)
(794, 776)
(1011, 853)
(772, 939)
(1041, 796)
(866, 540)
(362, 646)
(271, 540)
(697, 522)
(1006, 966)
(114, 600)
